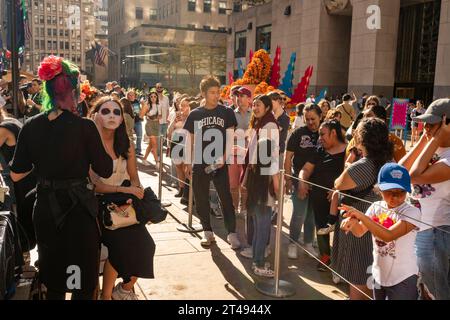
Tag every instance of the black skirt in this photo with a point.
(73, 247)
(130, 251)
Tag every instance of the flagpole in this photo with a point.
(14, 59)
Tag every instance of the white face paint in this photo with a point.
(110, 115)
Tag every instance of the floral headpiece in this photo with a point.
(51, 67)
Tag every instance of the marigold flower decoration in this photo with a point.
(50, 67)
(385, 220)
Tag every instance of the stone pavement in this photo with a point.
(186, 270)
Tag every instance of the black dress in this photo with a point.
(67, 232)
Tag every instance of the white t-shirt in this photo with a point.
(269, 131)
(163, 109)
(394, 261)
(434, 199)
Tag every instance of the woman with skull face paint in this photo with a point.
(122, 262)
(60, 147)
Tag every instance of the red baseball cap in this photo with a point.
(246, 91)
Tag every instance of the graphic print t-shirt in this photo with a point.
(302, 143)
(201, 120)
(434, 199)
(394, 261)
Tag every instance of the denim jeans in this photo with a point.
(302, 215)
(433, 254)
(138, 130)
(262, 223)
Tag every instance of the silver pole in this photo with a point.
(161, 165)
(277, 288)
(189, 228)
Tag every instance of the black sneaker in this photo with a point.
(179, 194)
(184, 201)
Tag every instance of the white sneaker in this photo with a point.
(248, 252)
(336, 279)
(145, 162)
(264, 272)
(233, 240)
(208, 238)
(310, 248)
(292, 251)
(157, 166)
(120, 294)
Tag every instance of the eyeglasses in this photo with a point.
(108, 111)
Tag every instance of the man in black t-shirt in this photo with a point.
(207, 126)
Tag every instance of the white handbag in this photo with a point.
(121, 218)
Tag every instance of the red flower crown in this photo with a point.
(50, 67)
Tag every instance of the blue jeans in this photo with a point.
(262, 217)
(433, 254)
(138, 131)
(302, 215)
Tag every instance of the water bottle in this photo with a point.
(211, 168)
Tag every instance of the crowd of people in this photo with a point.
(346, 174)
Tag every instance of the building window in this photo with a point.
(153, 14)
(207, 27)
(191, 5)
(61, 45)
(206, 5)
(237, 7)
(222, 7)
(41, 19)
(139, 13)
(240, 44)
(191, 26)
(223, 29)
(263, 36)
(36, 44)
(49, 32)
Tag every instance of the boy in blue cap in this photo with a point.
(394, 224)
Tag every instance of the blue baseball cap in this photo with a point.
(394, 176)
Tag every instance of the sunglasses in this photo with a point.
(108, 111)
(153, 96)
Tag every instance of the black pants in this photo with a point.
(201, 182)
(79, 295)
(321, 207)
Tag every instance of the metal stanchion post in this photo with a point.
(277, 288)
(161, 166)
(189, 228)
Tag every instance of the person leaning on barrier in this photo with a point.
(60, 147)
(429, 165)
(301, 144)
(351, 257)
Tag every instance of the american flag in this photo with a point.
(100, 53)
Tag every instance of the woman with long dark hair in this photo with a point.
(130, 249)
(128, 116)
(261, 175)
(60, 147)
(152, 116)
(351, 256)
(326, 164)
